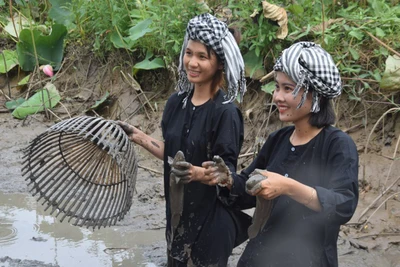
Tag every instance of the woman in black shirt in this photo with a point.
(201, 121)
(311, 168)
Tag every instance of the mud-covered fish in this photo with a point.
(176, 193)
(263, 206)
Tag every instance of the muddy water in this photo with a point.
(27, 232)
(30, 236)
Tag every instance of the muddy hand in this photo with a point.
(253, 184)
(130, 130)
(223, 174)
(182, 170)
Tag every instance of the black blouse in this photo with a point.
(295, 235)
(200, 132)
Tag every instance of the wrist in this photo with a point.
(198, 173)
(287, 186)
(138, 137)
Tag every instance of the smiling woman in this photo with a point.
(203, 68)
(310, 168)
(201, 121)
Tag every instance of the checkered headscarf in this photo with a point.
(215, 34)
(307, 63)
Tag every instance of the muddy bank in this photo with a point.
(30, 236)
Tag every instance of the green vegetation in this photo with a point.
(361, 35)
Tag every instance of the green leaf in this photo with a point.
(302, 34)
(20, 2)
(269, 87)
(140, 29)
(20, 22)
(60, 13)
(380, 32)
(353, 97)
(47, 97)
(13, 104)
(351, 69)
(148, 64)
(329, 39)
(296, 9)
(383, 51)
(121, 42)
(356, 34)
(101, 101)
(253, 65)
(391, 77)
(11, 59)
(366, 85)
(354, 53)
(50, 48)
(377, 75)
(25, 80)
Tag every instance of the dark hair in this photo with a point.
(326, 115)
(219, 81)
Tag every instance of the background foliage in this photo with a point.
(360, 35)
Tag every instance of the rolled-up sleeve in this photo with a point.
(340, 197)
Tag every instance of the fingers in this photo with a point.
(212, 181)
(255, 189)
(220, 163)
(260, 172)
(180, 172)
(208, 164)
(128, 129)
(217, 159)
(183, 165)
(212, 172)
(210, 177)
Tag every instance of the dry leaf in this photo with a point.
(278, 14)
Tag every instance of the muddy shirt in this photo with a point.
(295, 235)
(201, 132)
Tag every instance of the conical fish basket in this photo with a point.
(84, 169)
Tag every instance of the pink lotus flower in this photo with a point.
(48, 70)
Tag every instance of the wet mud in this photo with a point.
(30, 236)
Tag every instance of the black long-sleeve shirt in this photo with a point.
(201, 132)
(295, 235)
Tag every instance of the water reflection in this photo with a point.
(27, 232)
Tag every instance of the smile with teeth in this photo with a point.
(193, 73)
(282, 108)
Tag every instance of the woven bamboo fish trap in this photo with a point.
(83, 168)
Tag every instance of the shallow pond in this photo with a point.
(28, 232)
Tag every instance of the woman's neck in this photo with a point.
(201, 95)
(303, 134)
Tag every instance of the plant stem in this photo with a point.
(12, 19)
(37, 67)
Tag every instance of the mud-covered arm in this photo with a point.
(154, 146)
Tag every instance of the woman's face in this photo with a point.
(200, 67)
(286, 103)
